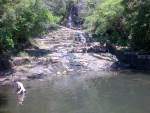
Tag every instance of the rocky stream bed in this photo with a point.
(59, 53)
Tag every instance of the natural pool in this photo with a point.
(93, 92)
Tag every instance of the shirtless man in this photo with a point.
(20, 87)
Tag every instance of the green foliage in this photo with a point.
(123, 22)
(137, 16)
(104, 14)
(6, 41)
(58, 7)
(20, 19)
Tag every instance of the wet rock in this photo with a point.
(54, 60)
(20, 61)
(35, 75)
(44, 61)
(95, 47)
(76, 63)
(4, 79)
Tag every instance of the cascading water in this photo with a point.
(115, 58)
(75, 16)
(70, 21)
(83, 39)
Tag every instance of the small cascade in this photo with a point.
(115, 58)
(83, 39)
(75, 14)
(70, 20)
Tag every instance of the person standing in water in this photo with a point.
(20, 87)
(20, 91)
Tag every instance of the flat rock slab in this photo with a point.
(91, 62)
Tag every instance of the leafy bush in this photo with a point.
(21, 19)
(137, 14)
(123, 22)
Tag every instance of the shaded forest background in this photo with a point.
(122, 22)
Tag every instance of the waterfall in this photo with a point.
(70, 21)
(75, 14)
(83, 39)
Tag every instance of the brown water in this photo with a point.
(101, 92)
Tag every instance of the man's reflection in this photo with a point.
(21, 98)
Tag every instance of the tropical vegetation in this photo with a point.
(123, 22)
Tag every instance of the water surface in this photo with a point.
(93, 92)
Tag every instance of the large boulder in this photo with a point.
(5, 64)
